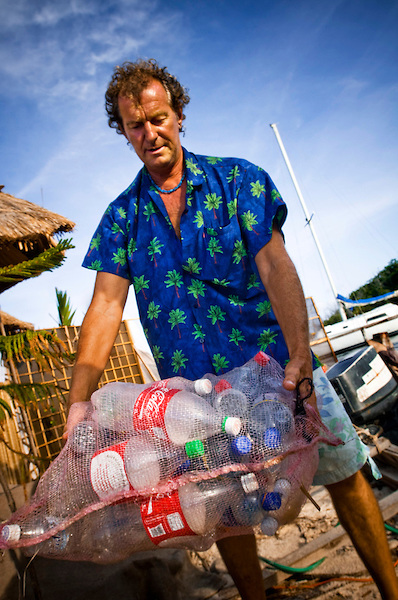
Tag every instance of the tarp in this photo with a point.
(348, 302)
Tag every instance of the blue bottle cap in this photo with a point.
(241, 445)
(271, 501)
(272, 438)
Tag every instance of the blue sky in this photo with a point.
(325, 72)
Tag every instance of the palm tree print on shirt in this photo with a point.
(266, 338)
(174, 278)
(154, 248)
(213, 202)
(197, 288)
(140, 284)
(95, 243)
(214, 247)
(119, 258)
(216, 315)
(198, 334)
(236, 336)
(178, 361)
(220, 363)
(154, 311)
(177, 316)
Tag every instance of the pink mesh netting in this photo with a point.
(175, 463)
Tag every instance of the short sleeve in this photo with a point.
(259, 206)
(109, 244)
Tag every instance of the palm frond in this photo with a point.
(46, 261)
(26, 394)
(65, 312)
(43, 346)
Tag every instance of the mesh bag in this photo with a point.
(175, 463)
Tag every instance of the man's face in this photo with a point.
(152, 128)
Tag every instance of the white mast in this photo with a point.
(308, 218)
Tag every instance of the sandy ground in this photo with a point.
(341, 561)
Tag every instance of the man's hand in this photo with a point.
(77, 413)
(296, 370)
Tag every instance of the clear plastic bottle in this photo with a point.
(192, 510)
(180, 416)
(231, 401)
(139, 463)
(113, 533)
(30, 530)
(272, 424)
(202, 386)
(177, 415)
(114, 403)
(83, 438)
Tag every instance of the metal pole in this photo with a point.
(308, 218)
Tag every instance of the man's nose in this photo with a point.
(150, 131)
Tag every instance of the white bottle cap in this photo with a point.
(203, 386)
(249, 483)
(232, 425)
(11, 533)
(269, 526)
(282, 486)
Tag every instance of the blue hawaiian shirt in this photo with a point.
(200, 298)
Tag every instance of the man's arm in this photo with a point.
(97, 335)
(284, 290)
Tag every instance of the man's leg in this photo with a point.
(239, 554)
(359, 514)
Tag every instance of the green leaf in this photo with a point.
(46, 261)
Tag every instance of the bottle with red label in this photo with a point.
(176, 415)
(138, 463)
(176, 519)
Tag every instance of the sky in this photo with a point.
(325, 72)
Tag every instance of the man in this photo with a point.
(200, 239)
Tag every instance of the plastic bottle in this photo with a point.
(138, 463)
(272, 424)
(113, 533)
(230, 401)
(113, 405)
(83, 439)
(192, 510)
(177, 415)
(30, 530)
(247, 508)
(202, 386)
(180, 416)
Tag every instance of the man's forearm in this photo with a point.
(97, 337)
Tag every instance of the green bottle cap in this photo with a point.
(194, 448)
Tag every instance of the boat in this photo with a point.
(354, 332)
(349, 333)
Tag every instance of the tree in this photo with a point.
(65, 313)
(384, 282)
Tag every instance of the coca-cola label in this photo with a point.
(107, 473)
(163, 518)
(149, 410)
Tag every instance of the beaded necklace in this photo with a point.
(159, 189)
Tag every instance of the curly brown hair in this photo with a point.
(130, 79)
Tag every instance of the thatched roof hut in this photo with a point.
(12, 324)
(26, 230)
